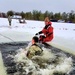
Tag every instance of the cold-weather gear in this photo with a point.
(34, 50)
(48, 33)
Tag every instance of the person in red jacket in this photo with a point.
(47, 31)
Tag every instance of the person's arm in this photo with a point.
(44, 29)
(46, 26)
(27, 53)
(31, 52)
(39, 33)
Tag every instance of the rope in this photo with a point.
(7, 37)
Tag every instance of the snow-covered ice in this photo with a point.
(64, 33)
(64, 36)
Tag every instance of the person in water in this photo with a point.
(34, 49)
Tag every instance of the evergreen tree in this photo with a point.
(11, 13)
(22, 14)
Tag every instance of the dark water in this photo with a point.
(11, 49)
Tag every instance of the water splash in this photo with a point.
(47, 64)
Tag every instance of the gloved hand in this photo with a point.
(37, 34)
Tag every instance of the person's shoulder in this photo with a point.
(37, 45)
(33, 46)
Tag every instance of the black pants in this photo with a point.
(10, 23)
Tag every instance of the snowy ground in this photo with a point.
(64, 33)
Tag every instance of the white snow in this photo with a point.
(64, 33)
(64, 36)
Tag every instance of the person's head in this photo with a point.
(35, 40)
(46, 20)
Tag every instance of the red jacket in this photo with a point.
(48, 32)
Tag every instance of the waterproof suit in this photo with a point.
(48, 33)
(34, 49)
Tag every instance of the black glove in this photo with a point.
(37, 34)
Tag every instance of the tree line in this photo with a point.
(38, 15)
